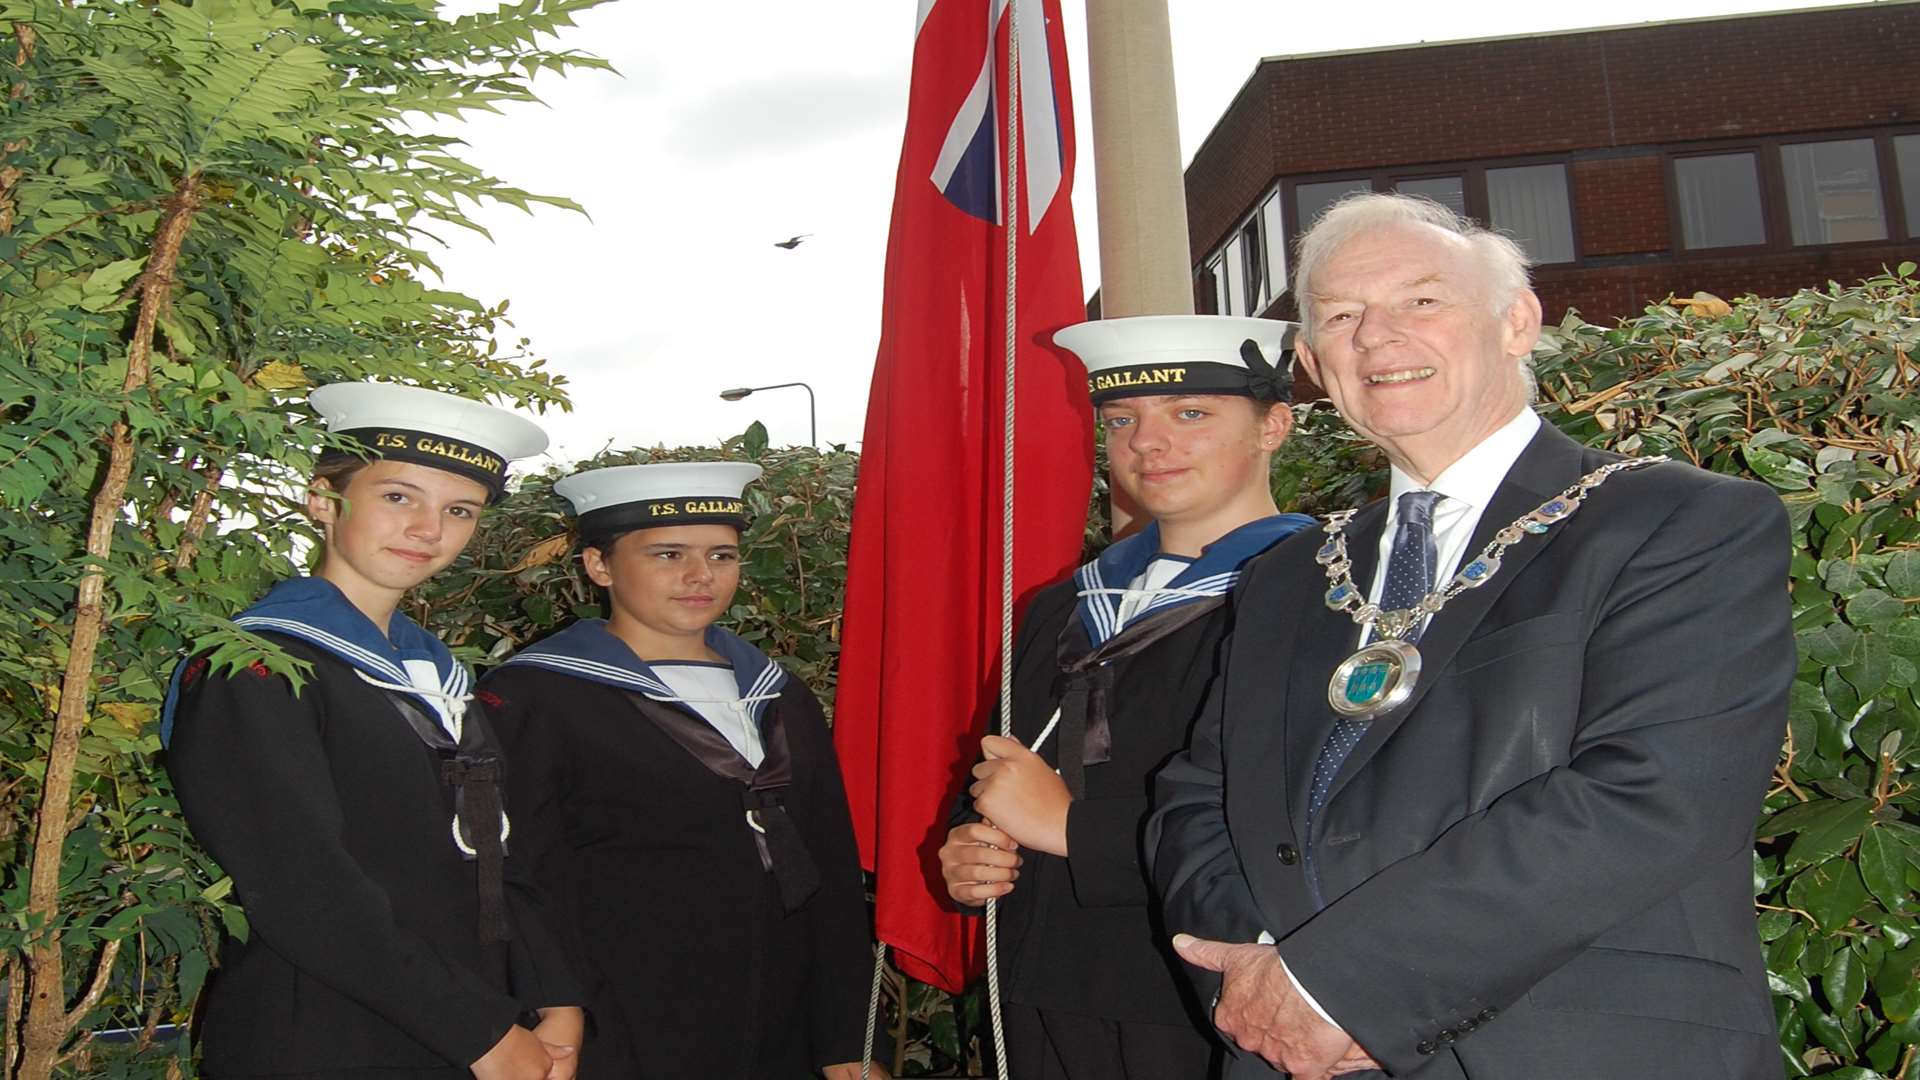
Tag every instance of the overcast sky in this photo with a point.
(735, 124)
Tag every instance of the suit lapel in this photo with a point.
(1328, 638)
(1549, 464)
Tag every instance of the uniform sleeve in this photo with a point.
(1033, 707)
(549, 962)
(255, 785)
(1683, 704)
(1189, 854)
(543, 969)
(1103, 851)
(842, 941)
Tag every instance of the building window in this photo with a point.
(1273, 235)
(1833, 192)
(1530, 204)
(1448, 191)
(1312, 200)
(1906, 156)
(1252, 268)
(1719, 200)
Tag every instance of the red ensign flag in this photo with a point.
(919, 669)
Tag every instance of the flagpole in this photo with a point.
(1146, 265)
(1012, 223)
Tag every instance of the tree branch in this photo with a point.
(197, 519)
(108, 954)
(47, 1022)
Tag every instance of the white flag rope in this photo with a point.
(1010, 220)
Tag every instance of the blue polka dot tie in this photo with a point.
(1410, 571)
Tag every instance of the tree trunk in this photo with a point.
(48, 1022)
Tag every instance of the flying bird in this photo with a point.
(791, 242)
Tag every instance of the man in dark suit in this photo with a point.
(1511, 840)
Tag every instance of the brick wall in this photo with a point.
(1602, 294)
(1620, 204)
(1605, 101)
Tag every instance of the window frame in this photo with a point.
(1210, 272)
(1772, 201)
(1473, 184)
(1775, 215)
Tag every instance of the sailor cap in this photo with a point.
(1184, 354)
(622, 498)
(426, 427)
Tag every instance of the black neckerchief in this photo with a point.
(783, 852)
(472, 768)
(1087, 675)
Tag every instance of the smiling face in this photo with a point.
(1197, 463)
(667, 586)
(394, 526)
(1411, 347)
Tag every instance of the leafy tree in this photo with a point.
(204, 208)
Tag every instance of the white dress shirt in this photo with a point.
(710, 690)
(1466, 487)
(1147, 585)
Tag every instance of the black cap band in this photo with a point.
(1202, 377)
(599, 528)
(436, 451)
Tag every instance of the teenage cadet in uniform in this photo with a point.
(684, 793)
(1111, 667)
(390, 934)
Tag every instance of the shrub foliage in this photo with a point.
(1815, 395)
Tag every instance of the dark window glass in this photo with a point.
(1529, 203)
(1719, 200)
(1906, 156)
(1445, 190)
(1833, 192)
(1312, 200)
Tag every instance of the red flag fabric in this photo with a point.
(919, 668)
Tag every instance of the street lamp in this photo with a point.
(740, 392)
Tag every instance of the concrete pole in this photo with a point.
(1145, 268)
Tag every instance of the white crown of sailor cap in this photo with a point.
(618, 485)
(357, 406)
(1173, 339)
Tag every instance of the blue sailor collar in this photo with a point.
(315, 611)
(1214, 573)
(588, 650)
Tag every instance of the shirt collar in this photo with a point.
(1478, 474)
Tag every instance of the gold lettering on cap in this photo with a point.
(1120, 380)
(466, 455)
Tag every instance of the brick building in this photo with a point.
(1757, 153)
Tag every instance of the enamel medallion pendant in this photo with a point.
(1374, 680)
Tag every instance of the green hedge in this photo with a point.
(1815, 395)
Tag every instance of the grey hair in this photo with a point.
(1504, 261)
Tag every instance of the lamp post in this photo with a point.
(813, 431)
